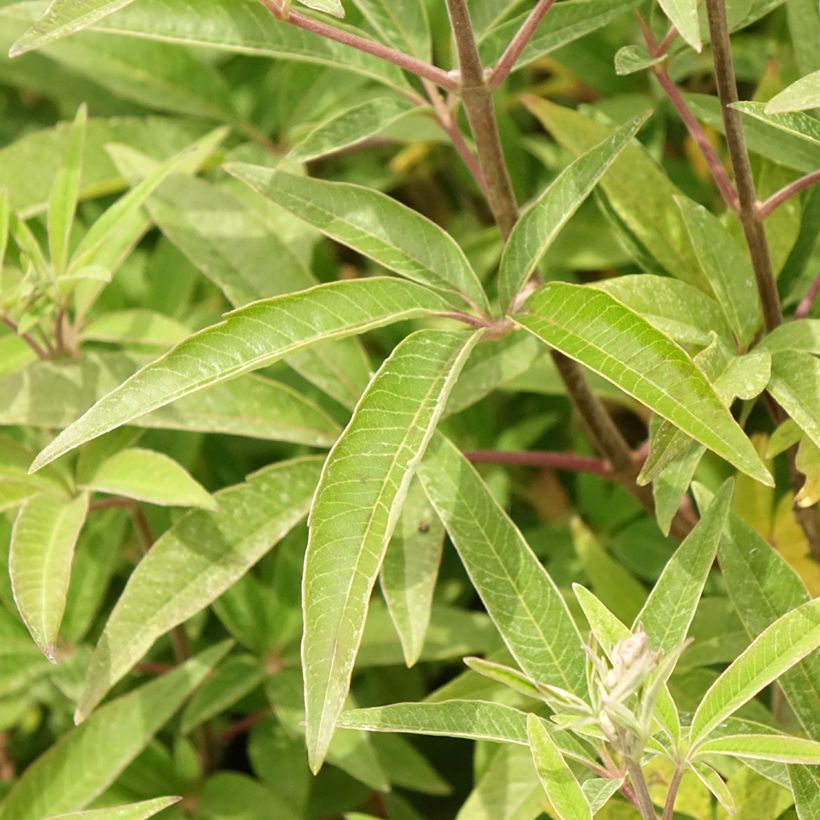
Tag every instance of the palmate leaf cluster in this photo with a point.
(264, 356)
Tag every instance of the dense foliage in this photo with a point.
(333, 484)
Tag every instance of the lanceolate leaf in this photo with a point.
(762, 586)
(564, 23)
(801, 95)
(133, 811)
(780, 748)
(353, 125)
(89, 758)
(364, 483)
(684, 17)
(679, 310)
(42, 548)
(243, 26)
(473, 719)
(249, 406)
(783, 644)
(193, 563)
(671, 605)
(795, 384)
(248, 339)
(149, 476)
(800, 125)
(802, 337)
(62, 203)
(410, 569)
(538, 227)
(372, 224)
(64, 17)
(637, 188)
(519, 595)
(727, 268)
(559, 782)
(402, 25)
(600, 332)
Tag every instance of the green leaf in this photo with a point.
(146, 475)
(801, 95)
(597, 330)
(193, 563)
(517, 592)
(714, 782)
(776, 650)
(373, 224)
(333, 7)
(472, 719)
(410, 569)
(541, 223)
(232, 246)
(780, 748)
(802, 336)
(356, 508)
(565, 23)
(805, 786)
(629, 59)
(64, 17)
(672, 482)
(795, 385)
(29, 165)
(763, 586)
(233, 679)
(249, 338)
(135, 327)
(63, 200)
(562, 789)
(727, 269)
(679, 310)
(800, 125)
(40, 555)
(637, 188)
(90, 757)
(245, 27)
(249, 406)
(670, 608)
(402, 25)
(133, 811)
(120, 212)
(352, 126)
(762, 138)
(683, 14)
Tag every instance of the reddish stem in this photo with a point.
(764, 209)
(26, 337)
(695, 129)
(240, 726)
(391, 55)
(546, 460)
(518, 43)
(446, 120)
(808, 300)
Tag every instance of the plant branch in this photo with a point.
(478, 105)
(26, 337)
(765, 208)
(736, 142)
(347, 38)
(546, 460)
(446, 120)
(672, 794)
(695, 129)
(641, 790)
(518, 43)
(808, 300)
